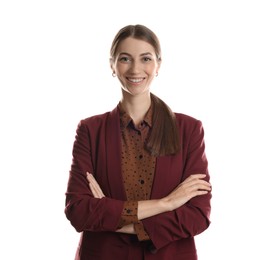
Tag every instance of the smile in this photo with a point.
(135, 80)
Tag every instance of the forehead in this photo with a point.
(135, 46)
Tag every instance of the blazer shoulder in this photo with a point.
(183, 118)
(95, 119)
(188, 123)
(100, 119)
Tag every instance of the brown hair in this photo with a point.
(164, 138)
(139, 32)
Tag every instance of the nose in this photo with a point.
(135, 67)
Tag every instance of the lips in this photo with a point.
(135, 80)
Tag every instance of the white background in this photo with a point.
(218, 66)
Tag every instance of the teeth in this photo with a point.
(135, 80)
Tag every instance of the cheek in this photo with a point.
(152, 69)
(152, 72)
(120, 69)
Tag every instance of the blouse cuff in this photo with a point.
(129, 214)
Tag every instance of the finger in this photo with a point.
(203, 186)
(193, 183)
(90, 177)
(94, 186)
(197, 176)
(194, 177)
(93, 181)
(190, 190)
(200, 185)
(197, 193)
(96, 193)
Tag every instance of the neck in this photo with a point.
(136, 106)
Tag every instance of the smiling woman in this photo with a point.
(134, 60)
(136, 65)
(139, 183)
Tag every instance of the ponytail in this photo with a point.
(164, 138)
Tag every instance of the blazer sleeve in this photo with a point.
(85, 212)
(193, 217)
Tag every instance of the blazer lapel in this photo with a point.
(113, 156)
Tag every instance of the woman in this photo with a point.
(139, 184)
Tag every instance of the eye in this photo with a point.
(147, 59)
(124, 59)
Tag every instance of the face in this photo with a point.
(135, 65)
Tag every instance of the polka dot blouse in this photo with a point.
(138, 168)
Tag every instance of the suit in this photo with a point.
(97, 149)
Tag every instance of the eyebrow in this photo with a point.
(142, 54)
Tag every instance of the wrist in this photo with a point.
(165, 204)
(149, 208)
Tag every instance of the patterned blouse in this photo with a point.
(138, 168)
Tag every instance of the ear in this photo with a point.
(159, 65)
(112, 65)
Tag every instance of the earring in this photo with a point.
(157, 74)
(113, 74)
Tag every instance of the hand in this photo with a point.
(94, 187)
(129, 229)
(191, 187)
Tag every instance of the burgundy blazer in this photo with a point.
(97, 149)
